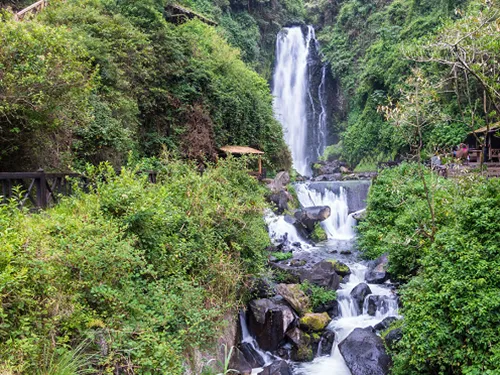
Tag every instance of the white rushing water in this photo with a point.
(282, 231)
(291, 93)
(340, 225)
(349, 319)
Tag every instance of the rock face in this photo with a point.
(359, 294)
(251, 355)
(295, 297)
(308, 217)
(277, 368)
(314, 322)
(269, 319)
(364, 353)
(321, 274)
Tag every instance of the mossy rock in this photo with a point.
(318, 233)
(314, 322)
(340, 268)
(293, 294)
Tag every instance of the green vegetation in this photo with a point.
(140, 271)
(450, 300)
(318, 233)
(90, 81)
(282, 256)
(317, 294)
(373, 48)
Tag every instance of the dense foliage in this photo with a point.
(138, 272)
(93, 80)
(451, 300)
(373, 46)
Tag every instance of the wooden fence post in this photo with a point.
(41, 189)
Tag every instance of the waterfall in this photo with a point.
(340, 224)
(295, 98)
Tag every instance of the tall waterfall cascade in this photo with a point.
(300, 99)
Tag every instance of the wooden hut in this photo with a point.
(244, 150)
(491, 139)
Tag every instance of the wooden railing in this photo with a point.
(32, 9)
(39, 190)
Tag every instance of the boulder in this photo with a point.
(251, 355)
(384, 324)
(269, 319)
(308, 217)
(377, 303)
(314, 322)
(321, 274)
(340, 268)
(344, 170)
(261, 288)
(302, 350)
(326, 343)
(327, 167)
(279, 182)
(280, 200)
(239, 363)
(364, 353)
(295, 297)
(277, 368)
(377, 273)
(329, 177)
(331, 308)
(358, 294)
(393, 337)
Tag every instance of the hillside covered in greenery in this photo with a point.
(91, 81)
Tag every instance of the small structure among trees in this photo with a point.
(244, 150)
(487, 136)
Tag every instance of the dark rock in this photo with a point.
(326, 343)
(377, 273)
(377, 303)
(340, 268)
(277, 368)
(392, 337)
(359, 294)
(331, 308)
(364, 353)
(346, 252)
(280, 200)
(287, 274)
(308, 217)
(239, 363)
(322, 274)
(298, 262)
(384, 324)
(251, 355)
(329, 177)
(302, 350)
(269, 319)
(262, 288)
(328, 167)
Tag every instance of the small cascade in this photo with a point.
(340, 224)
(348, 320)
(282, 232)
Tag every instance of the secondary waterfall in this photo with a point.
(300, 101)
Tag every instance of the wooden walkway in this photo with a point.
(32, 9)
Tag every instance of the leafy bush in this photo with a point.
(451, 296)
(317, 294)
(282, 256)
(143, 270)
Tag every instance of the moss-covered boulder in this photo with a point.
(293, 294)
(340, 268)
(302, 350)
(314, 322)
(318, 234)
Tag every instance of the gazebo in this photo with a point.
(492, 142)
(244, 150)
